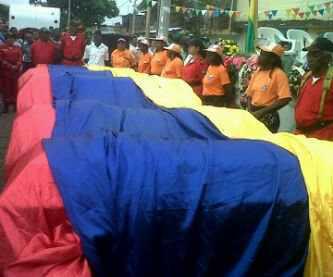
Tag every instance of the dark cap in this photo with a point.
(322, 44)
(44, 30)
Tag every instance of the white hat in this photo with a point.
(144, 41)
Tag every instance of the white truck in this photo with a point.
(22, 16)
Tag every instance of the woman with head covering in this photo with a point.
(122, 57)
(268, 90)
(174, 66)
(196, 67)
(160, 56)
(216, 83)
(144, 56)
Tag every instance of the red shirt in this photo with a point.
(308, 106)
(43, 52)
(73, 49)
(194, 72)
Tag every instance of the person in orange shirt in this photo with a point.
(122, 57)
(268, 90)
(196, 67)
(174, 66)
(216, 83)
(160, 56)
(144, 57)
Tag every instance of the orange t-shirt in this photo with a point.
(144, 63)
(123, 59)
(158, 62)
(173, 69)
(214, 80)
(268, 86)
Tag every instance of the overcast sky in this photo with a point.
(125, 6)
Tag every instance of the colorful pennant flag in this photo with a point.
(274, 12)
(296, 10)
(301, 14)
(321, 12)
(307, 14)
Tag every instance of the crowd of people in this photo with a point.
(264, 86)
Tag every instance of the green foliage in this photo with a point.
(90, 12)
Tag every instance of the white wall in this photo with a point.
(11, 2)
(282, 6)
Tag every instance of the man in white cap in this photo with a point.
(160, 56)
(122, 57)
(144, 57)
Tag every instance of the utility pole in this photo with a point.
(134, 17)
(164, 18)
(230, 16)
(148, 15)
(69, 13)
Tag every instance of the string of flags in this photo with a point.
(304, 12)
(210, 10)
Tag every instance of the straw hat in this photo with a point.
(215, 49)
(174, 47)
(274, 48)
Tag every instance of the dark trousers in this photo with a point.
(214, 100)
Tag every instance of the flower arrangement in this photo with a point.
(231, 47)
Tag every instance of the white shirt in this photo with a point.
(96, 55)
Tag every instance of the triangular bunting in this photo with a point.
(301, 14)
(210, 12)
(288, 12)
(217, 13)
(296, 10)
(314, 13)
(178, 9)
(274, 12)
(204, 12)
(267, 13)
(184, 9)
(321, 11)
(328, 5)
(237, 13)
(307, 14)
(198, 12)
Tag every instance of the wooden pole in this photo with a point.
(134, 17)
(148, 16)
(69, 13)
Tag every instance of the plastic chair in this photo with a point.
(269, 35)
(329, 35)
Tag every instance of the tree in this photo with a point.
(90, 12)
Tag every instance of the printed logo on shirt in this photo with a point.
(264, 88)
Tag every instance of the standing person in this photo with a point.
(72, 47)
(314, 109)
(43, 51)
(268, 90)
(97, 53)
(196, 67)
(10, 69)
(26, 49)
(174, 66)
(144, 57)
(3, 30)
(160, 56)
(216, 83)
(122, 57)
